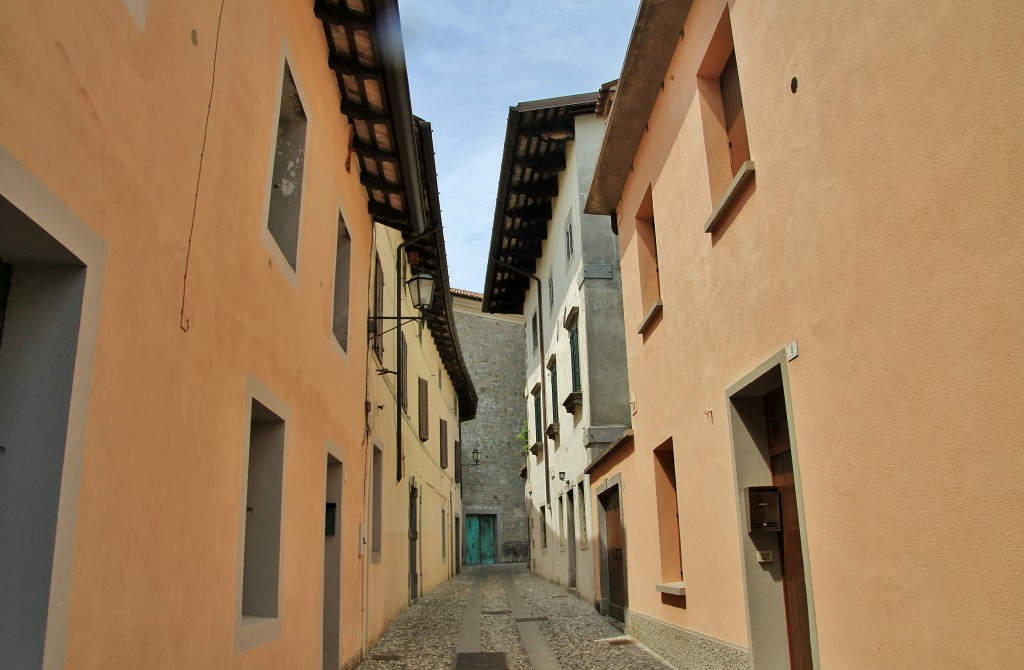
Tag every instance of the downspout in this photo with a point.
(400, 385)
(543, 386)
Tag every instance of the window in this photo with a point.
(342, 264)
(647, 254)
(554, 391)
(422, 400)
(732, 108)
(722, 112)
(561, 521)
(289, 158)
(551, 292)
(458, 462)
(569, 240)
(543, 527)
(444, 536)
(667, 501)
(443, 439)
(261, 568)
(403, 370)
(535, 331)
(538, 429)
(574, 353)
(376, 501)
(581, 518)
(376, 327)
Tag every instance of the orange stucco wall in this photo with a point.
(883, 233)
(112, 120)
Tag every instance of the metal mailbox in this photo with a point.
(764, 509)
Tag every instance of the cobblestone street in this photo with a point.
(501, 616)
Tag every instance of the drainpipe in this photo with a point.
(543, 386)
(400, 385)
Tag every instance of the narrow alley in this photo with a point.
(493, 617)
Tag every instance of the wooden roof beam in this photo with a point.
(370, 151)
(354, 110)
(369, 181)
(539, 213)
(341, 16)
(553, 130)
(387, 214)
(535, 232)
(552, 162)
(352, 67)
(546, 188)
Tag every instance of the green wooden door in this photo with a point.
(472, 539)
(480, 539)
(487, 539)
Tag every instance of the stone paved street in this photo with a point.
(531, 622)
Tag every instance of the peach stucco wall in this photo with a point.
(111, 120)
(883, 233)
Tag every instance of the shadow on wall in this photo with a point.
(515, 552)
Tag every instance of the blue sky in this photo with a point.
(468, 62)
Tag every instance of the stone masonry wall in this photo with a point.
(493, 351)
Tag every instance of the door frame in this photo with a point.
(414, 536)
(601, 489)
(335, 458)
(49, 213)
(762, 583)
(570, 534)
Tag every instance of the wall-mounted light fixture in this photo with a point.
(476, 457)
(561, 476)
(421, 286)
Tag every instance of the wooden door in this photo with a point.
(616, 566)
(487, 539)
(414, 582)
(472, 539)
(570, 532)
(790, 549)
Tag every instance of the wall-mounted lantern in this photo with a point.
(421, 285)
(476, 457)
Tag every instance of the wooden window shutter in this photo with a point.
(458, 461)
(732, 107)
(424, 410)
(538, 429)
(574, 351)
(554, 393)
(443, 439)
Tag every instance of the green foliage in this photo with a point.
(524, 437)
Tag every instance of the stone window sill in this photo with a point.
(650, 317)
(671, 588)
(573, 401)
(743, 175)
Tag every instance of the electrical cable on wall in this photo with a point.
(183, 323)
